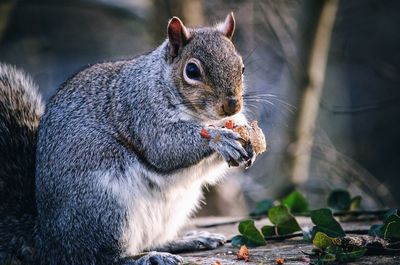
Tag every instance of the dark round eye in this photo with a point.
(243, 70)
(193, 71)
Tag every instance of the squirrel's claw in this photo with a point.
(227, 144)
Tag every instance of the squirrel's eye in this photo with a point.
(193, 71)
(243, 70)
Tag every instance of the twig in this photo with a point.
(283, 237)
(377, 213)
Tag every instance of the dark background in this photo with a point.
(357, 135)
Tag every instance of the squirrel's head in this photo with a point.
(206, 68)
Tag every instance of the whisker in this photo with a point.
(259, 100)
(256, 94)
(269, 97)
(285, 107)
(289, 108)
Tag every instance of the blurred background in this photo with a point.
(323, 79)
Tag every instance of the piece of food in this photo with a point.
(280, 261)
(229, 124)
(254, 135)
(204, 134)
(243, 253)
(257, 138)
(244, 134)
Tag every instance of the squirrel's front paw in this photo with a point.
(227, 143)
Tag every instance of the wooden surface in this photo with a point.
(290, 249)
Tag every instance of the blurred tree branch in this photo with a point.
(308, 110)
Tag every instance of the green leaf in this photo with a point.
(339, 200)
(288, 227)
(237, 241)
(391, 228)
(322, 241)
(351, 254)
(324, 259)
(376, 230)
(251, 235)
(240, 240)
(262, 208)
(355, 203)
(296, 202)
(268, 230)
(324, 222)
(327, 258)
(279, 214)
(283, 220)
(334, 249)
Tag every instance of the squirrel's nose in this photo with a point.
(231, 106)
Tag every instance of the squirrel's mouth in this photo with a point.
(230, 107)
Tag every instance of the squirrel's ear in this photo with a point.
(178, 35)
(228, 26)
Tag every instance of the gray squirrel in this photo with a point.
(117, 164)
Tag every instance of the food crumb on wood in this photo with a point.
(243, 253)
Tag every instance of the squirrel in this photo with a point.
(116, 164)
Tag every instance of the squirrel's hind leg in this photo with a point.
(153, 258)
(193, 241)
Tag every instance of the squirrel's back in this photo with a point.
(20, 109)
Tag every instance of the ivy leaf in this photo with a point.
(326, 258)
(339, 200)
(391, 228)
(323, 259)
(268, 230)
(355, 203)
(351, 254)
(334, 247)
(251, 236)
(322, 241)
(237, 241)
(296, 202)
(284, 221)
(262, 208)
(240, 240)
(324, 221)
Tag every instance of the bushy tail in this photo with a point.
(20, 110)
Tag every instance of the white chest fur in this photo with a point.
(155, 215)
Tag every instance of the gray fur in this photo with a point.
(120, 161)
(20, 109)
